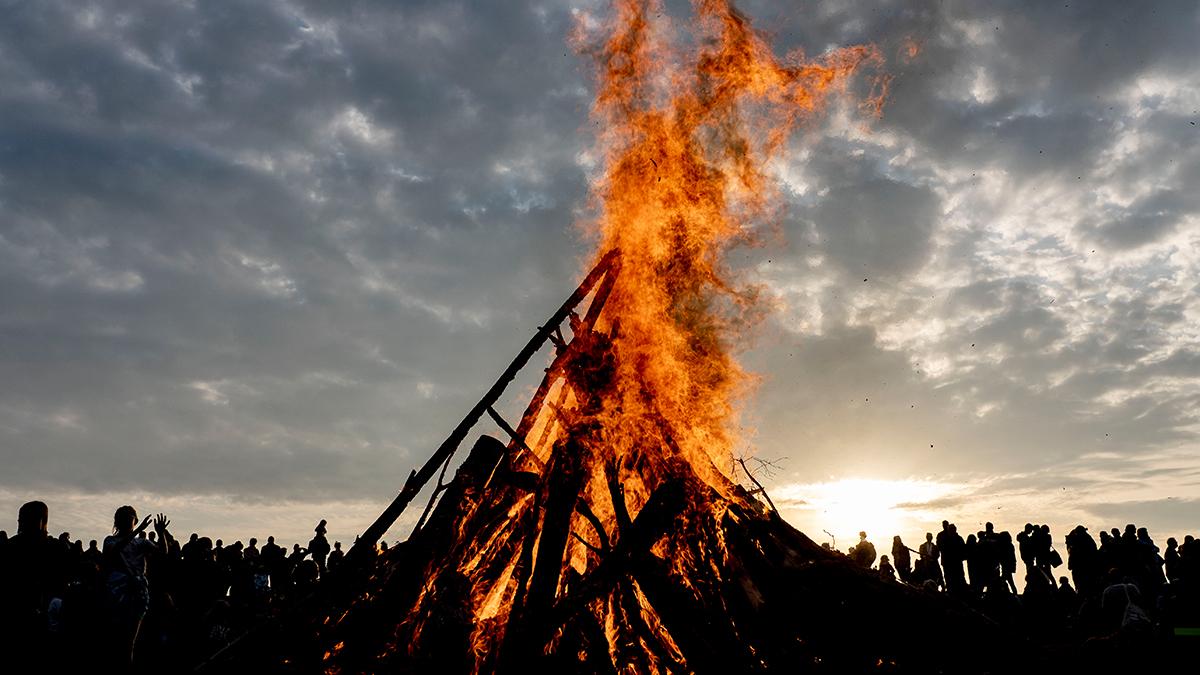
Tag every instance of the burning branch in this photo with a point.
(759, 489)
(584, 510)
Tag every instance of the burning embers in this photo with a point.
(607, 535)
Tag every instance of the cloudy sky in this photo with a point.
(257, 258)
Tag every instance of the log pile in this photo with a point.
(535, 558)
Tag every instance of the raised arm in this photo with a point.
(120, 541)
(160, 526)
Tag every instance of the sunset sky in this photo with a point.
(258, 258)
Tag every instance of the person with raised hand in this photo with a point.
(124, 572)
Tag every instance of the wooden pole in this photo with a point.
(418, 478)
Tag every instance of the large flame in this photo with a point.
(689, 125)
(644, 396)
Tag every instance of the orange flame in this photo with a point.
(689, 121)
(686, 143)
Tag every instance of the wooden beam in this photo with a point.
(418, 478)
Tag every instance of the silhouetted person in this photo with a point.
(863, 552)
(271, 550)
(886, 571)
(1064, 584)
(976, 559)
(1025, 546)
(1105, 555)
(33, 568)
(336, 556)
(952, 546)
(1189, 559)
(1119, 549)
(241, 577)
(92, 555)
(1083, 560)
(992, 549)
(274, 558)
(1044, 554)
(233, 554)
(1008, 560)
(1171, 560)
(319, 547)
(1150, 562)
(927, 568)
(901, 558)
(189, 548)
(1066, 593)
(128, 592)
(296, 555)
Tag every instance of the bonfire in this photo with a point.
(607, 532)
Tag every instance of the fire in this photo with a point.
(623, 457)
(687, 140)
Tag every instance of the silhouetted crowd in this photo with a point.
(140, 596)
(1122, 584)
(140, 600)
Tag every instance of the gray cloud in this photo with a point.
(253, 249)
(879, 225)
(1178, 515)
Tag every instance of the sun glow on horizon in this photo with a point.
(882, 508)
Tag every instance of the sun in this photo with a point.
(836, 511)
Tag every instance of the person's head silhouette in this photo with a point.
(125, 519)
(32, 518)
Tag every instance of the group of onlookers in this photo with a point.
(140, 595)
(141, 598)
(1123, 582)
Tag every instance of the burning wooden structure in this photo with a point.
(544, 547)
(551, 552)
(605, 534)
